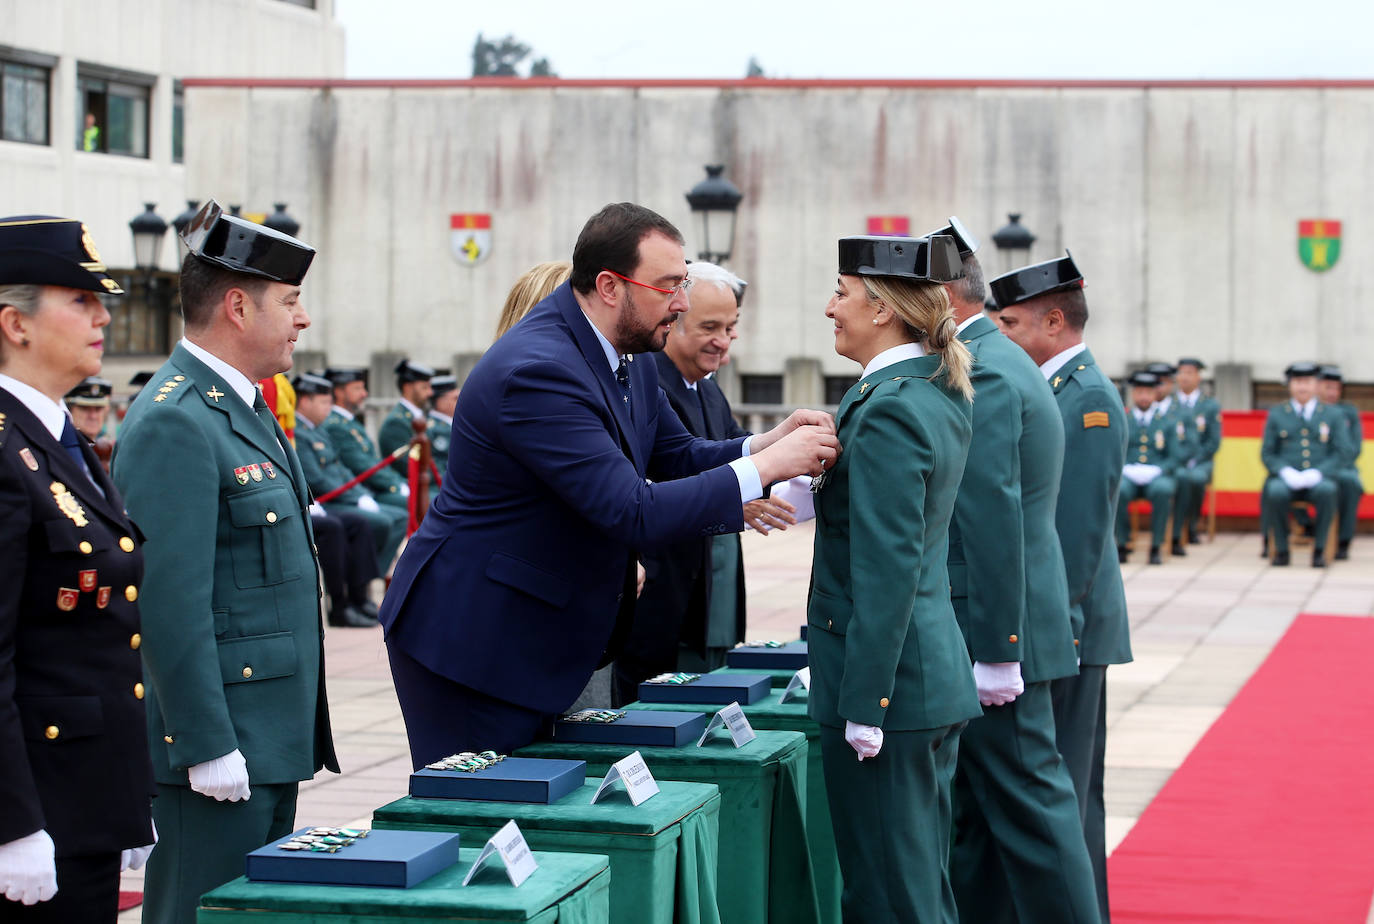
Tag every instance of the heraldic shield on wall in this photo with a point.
(470, 237)
(1319, 243)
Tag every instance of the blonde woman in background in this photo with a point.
(531, 289)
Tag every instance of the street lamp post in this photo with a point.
(180, 223)
(148, 229)
(281, 221)
(1014, 241)
(715, 200)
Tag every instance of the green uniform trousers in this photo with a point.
(1191, 488)
(201, 844)
(1349, 490)
(1277, 498)
(891, 817)
(1160, 494)
(1019, 853)
(1080, 727)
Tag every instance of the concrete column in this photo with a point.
(1234, 386)
(803, 384)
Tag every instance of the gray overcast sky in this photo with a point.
(898, 38)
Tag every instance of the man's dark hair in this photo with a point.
(610, 240)
(969, 287)
(1071, 302)
(203, 284)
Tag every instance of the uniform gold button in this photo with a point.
(131, 593)
(247, 672)
(271, 516)
(1307, 452)
(138, 691)
(167, 738)
(1305, 443)
(883, 702)
(1013, 639)
(85, 547)
(178, 378)
(135, 640)
(50, 732)
(1075, 643)
(126, 544)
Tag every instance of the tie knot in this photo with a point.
(69, 434)
(622, 373)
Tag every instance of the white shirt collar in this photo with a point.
(414, 411)
(1144, 416)
(1304, 410)
(1056, 362)
(238, 383)
(893, 355)
(1189, 400)
(346, 415)
(968, 320)
(1163, 405)
(52, 415)
(442, 418)
(691, 386)
(612, 357)
(303, 423)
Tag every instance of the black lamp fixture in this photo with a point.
(148, 229)
(715, 199)
(280, 221)
(179, 224)
(1014, 240)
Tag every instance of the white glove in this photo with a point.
(866, 740)
(222, 778)
(369, 503)
(998, 683)
(1291, 477)
(135, 857)
(28, 872)
(405, 490)
(1139, 473)
(1311, 478)
(317, 511)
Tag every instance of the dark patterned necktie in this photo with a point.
(622, 375)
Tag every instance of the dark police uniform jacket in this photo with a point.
(73, 751)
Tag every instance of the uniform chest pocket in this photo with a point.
(66, 538)
(267, 543)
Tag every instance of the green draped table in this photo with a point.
(662, 852)
(567, 888)
(770, 713)
(765, 865)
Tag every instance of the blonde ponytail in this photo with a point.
(925, 310)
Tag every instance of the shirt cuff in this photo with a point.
(744, 449)
(750, 486)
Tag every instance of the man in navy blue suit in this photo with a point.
(521, 580)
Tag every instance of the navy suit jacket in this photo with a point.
(514, 583)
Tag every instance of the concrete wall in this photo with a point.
(1180, 203)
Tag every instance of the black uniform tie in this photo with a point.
(71, 442)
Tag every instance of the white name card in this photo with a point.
(800, 682)
(634, 773)
(509, 844)
(732, 717)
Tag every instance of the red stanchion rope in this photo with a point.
(434, 470)
(358, 479)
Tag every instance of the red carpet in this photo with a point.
(1271, 817)
(129, 900)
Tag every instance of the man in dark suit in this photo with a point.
(1018, 849)
(1047, 320)
(674, 626)
(521, 580)
(232, 638)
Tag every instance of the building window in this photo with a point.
(760, 389)
(836, 386)
(23, 102)
(112, 113)
(147, 319)
(178, 123)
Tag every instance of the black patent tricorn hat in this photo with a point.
(963, 238)
(407, 371)
(309, 384)
(43, 250)
(922, 259)
(1143, 379)
(343, 375)
(1022, 285)
(1332, 374)
(245, 246)
(1299, 370)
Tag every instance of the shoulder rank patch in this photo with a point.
(1096, 419)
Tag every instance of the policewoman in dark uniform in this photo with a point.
(75, 781)
(891, 682)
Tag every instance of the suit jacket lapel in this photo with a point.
(590, 346)
(244, 421)
(683, 399)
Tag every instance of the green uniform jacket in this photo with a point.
(1321, 443)
(1185, 428)
(1094, 453)
(358, 454)
(885, 648)
(396, 430)
(440, 434)
(1164, 441)
(1353, 437)
(1203, 421)
(233, 645)
(320, 463)
(1005, 566)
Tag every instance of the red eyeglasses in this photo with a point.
(684, 287)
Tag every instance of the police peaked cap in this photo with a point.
(1022, 285)
(245, 246)
(1298, 370)
(443, 384)
(1163, 370)
(923, 259)
(963, 238)
(346, 374)
(92, 392)
(42, 250)
(1144, 379)
(308, 384)
(1190, 361)
(1332, 373)
(407, 371)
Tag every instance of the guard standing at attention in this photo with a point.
(75, 781)
(356, 449)
(1201, 417)
(413, 381)
(1349, 487)
(232, 639)
(1046, 315)
(444, 399)
(1018, 840)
